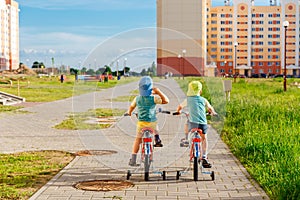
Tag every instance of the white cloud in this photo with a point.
(138, 45)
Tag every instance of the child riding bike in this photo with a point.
(146, 106)
(197, 115)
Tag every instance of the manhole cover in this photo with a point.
(104, 185)
(95, 152)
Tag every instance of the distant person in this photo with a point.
(146, 105)
(197, 106)
(76, 76)
(62, 78)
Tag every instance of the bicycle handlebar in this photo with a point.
(158, 111)
(186, 113)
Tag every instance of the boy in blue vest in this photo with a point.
(146, 106)
(197, 106)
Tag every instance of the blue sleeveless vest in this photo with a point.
(197, 109)
(146, 108)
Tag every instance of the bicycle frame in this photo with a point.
(147, 142)
(195, 140)
(147, 148)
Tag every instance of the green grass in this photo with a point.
(22, 174)
(46, 89)
(10, 109)
(78, 121)
(261, 128)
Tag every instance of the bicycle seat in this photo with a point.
(196, 130)
(148, 130)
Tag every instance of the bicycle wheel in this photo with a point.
(147, 167)
(195, 169)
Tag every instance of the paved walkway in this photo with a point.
(33, 131)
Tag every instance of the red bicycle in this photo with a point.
(195, 142)
(147, 146)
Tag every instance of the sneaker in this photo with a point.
(157, 141)
(132, 163)
(158, 144)
(205, 163)
(184, 142)
(183, 139)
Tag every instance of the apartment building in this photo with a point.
(181, 33)
(9, 37)
(242, 38)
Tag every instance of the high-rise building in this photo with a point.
(239, 37)
(9, 37)
(181, 33)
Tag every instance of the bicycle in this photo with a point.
(147, 149)
(195, 142)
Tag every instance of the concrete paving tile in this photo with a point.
(231, 180)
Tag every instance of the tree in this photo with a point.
(100, 71)
(90, 72)
(83, 70)
(127, 69)
(41, 65)
(35, 64)
(144, 72)
(107, 69)
(38, 65)
(154, 69)
(73, 71)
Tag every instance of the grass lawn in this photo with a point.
(46, 89)
(261, 127)
(22, 174)
(78, 121)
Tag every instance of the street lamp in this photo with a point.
(183, 56)
(125, 59)
(52, 59)
(235, 64)
(179, 59)
(225, 61)
(95, 65)
(285, 25)
(117, 69)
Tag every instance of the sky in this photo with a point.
(90, 33)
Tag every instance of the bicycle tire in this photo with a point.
(195, 170)
(147, 167)
(128, 175)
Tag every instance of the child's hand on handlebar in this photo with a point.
(177, 113)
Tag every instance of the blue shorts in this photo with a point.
(203, 127)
